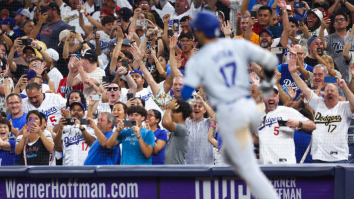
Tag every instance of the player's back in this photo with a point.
(222, 68)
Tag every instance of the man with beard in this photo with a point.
(74, 140)
(99, 153)
(277, 142)
(313, 42)
(48, 103)
(50, 32)
(22, 15)
(332, 118)
(252, 37)
(335, 42)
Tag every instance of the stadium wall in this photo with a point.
(325, 181)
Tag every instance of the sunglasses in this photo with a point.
(114, 88)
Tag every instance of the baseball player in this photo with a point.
(221, 67)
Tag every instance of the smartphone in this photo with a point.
(26, 42)
(105, 79)
(298, 5)
(70, 121)
(330, 79)
(43, 9)
(76, 55)
(170, 33)
(148, 45)
(276, 50)
(325, 14)
(96, 97)
(176, 25)
(125, 63)
(301, 22)
(129, 96)
(282, 123)
(207, 8)
(94, 30)
(139, 22)
(84, 122)
(73, 29)
(25, 71)
(129, 123)
(31, 121)
(254, 14)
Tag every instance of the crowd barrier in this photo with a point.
(306, 181)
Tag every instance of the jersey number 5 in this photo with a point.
(276, 130)
(229, 73)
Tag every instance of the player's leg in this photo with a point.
(234, 126)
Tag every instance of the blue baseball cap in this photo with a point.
(137, 71)
(310, 40)
(43, 114)
(206, 22)
(78, 103)
(267, 31)
(8, 21)
(31, 74)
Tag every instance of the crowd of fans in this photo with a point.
(99, 82)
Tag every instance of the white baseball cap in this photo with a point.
(52, 54)
(63, 34)
(317, 12)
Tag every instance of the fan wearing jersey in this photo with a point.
(332, 118)
(74, 140)
(7, 147)
(277, 142)
(48, 103)
(220, 66)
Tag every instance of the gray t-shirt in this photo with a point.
(177, 145)
(335, 45)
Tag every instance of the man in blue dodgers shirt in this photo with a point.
(99, 153)
(138, 143)
(17, 117)
(286, 79)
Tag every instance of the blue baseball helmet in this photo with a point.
(206, 22)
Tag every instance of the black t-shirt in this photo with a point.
(311, 62)
(19, 71)
(11, 7)
(12, 36)
(36, 154)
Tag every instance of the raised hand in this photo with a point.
(120, 125)
(226, 28)
(138, 55)
(130, 34)
(325, 23)
(173, 105)
(282, 4)
(119, 34)
(254, 79)
(166, 18)
(340, 82)
(274, 20)
(173, 42)
(121, 70)
(40, 68)
(291, 92)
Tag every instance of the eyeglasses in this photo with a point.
(12, 103)
(300, 53)
(338, 20)
(114, 88)
(150, 115)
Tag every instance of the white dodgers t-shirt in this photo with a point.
(330, 139)
(51, 106)
(277, 143)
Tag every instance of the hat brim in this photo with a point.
(192, 24)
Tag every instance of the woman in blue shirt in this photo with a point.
(7, 147)
(152, 123)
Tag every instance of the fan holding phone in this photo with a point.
(74, 137)
(137, 142)
(33, 144)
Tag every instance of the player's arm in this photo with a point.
(298, 81)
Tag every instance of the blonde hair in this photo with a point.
(328, 59)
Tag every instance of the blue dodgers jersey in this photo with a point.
(132, 154)
(8, 157)
(159, 158)
(99, 155)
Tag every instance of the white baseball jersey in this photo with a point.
(277, 143)
(330, 139)
(221, 67)
(75, 148)
(51, 106)
(55, 76)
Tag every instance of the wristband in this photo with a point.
(349, 39)
(39, 49)
(126, 73)
(274, 7)
(38, 77)
(138, 137)
(83, 129)
(84, 42)
(212, 125)
(133, 42)
(87, 14)
(82, 11)
(159, 38)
